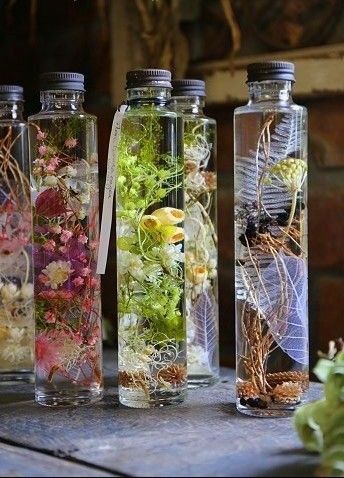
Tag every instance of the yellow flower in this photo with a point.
(197, 274)
(290, 171)
(172, 234)
(150, 223)
(169, 215)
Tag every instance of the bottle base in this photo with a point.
(202, 381)
(17, 377)
(136, 399)
(67, 398)
(272, 411)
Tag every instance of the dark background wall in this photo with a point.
(75, 36)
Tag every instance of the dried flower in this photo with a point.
(247, 390)
(138, 380)
(197, 274)
(49, 245)
(26, 292)
(47, 352)
(210, 180)
(50, 203)
(9, 292)
(172, 234)
(83, 239)
(55, 229)
(78, 281)
(169, 215)
(174, 374)
(50, 181)
(57, 273)
(86, 271)
(68, 171)
(190, 166)
(287, 392)
(70, 143)
(42, 150)
(150, 223)
(65, 236)
(41, 136)
(290, 171)
(50, 317)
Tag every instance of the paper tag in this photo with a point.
(109, 190)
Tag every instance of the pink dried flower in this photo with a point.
(43, 278)
(65, 235)
(94, 282)
(49, 245)
(63, 249)
(77, 338)
(94, 244)
(54, 161)
(87, 304)
(86, 271)
(56, 294)
(50, 317)
(82, 257)
(42, 150)
(83, 239)
(71, 143)
(56, 229)
(41, 136)
(78, 281)
(47, 353)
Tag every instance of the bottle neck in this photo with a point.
(188, 104)
(148, 95)
(260, 91)
(12, 110)
(62, 100)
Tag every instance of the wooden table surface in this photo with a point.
(204, 436)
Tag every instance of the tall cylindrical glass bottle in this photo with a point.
(150, 235)
(64, 183)
(16, 286)
(201, 288)
(271, 244)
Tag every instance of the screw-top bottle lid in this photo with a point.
(271, 70)
(11, 93)
(60, 80)
(148, 77)
(186, 87)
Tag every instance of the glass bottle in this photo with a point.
(150, 235)
(201, 257)
(16, 285)
(270, 135)
(64, 184)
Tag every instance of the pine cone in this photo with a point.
(287, 392)
(247, 390)
(278, 378)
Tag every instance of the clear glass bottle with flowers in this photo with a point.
(150, 235)
(16, 282)
(201, 251)
(271, 244)
(64, 184)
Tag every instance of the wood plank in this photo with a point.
(203, 436)
(16, 461)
